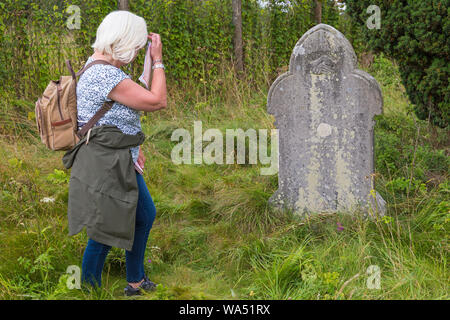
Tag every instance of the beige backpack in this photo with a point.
(56, 111)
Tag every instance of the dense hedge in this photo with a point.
(196, 34)
(417, 35)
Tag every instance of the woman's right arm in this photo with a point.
(131, 94)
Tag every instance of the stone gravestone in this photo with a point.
(324, 108)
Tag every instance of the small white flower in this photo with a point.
(48, 199)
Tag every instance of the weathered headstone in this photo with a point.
(324, 108)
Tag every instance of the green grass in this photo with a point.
(214, 236)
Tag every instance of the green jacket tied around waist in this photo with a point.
(103, 190)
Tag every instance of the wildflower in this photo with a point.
(340, 227)
(387, 219)
(252, 293)
(149, 261)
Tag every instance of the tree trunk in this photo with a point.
(318, 11)
(123, 5)
(237, 40)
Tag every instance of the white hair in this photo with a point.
(121, 34)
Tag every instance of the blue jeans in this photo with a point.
(95, 254)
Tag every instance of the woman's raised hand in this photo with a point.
(156, 47)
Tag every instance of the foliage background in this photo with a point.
(196, 36)
(214, 236)
(417, 35)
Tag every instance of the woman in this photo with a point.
(120, 36)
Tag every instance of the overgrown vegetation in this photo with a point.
(196, 35)
(214, 236)
(416, 34)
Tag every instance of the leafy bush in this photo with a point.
(399, 149)
(417, 35)
(196, 35)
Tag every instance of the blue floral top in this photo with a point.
(93, 88)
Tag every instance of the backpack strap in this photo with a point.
(79, 73)
(105, 107)
(69, 66)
